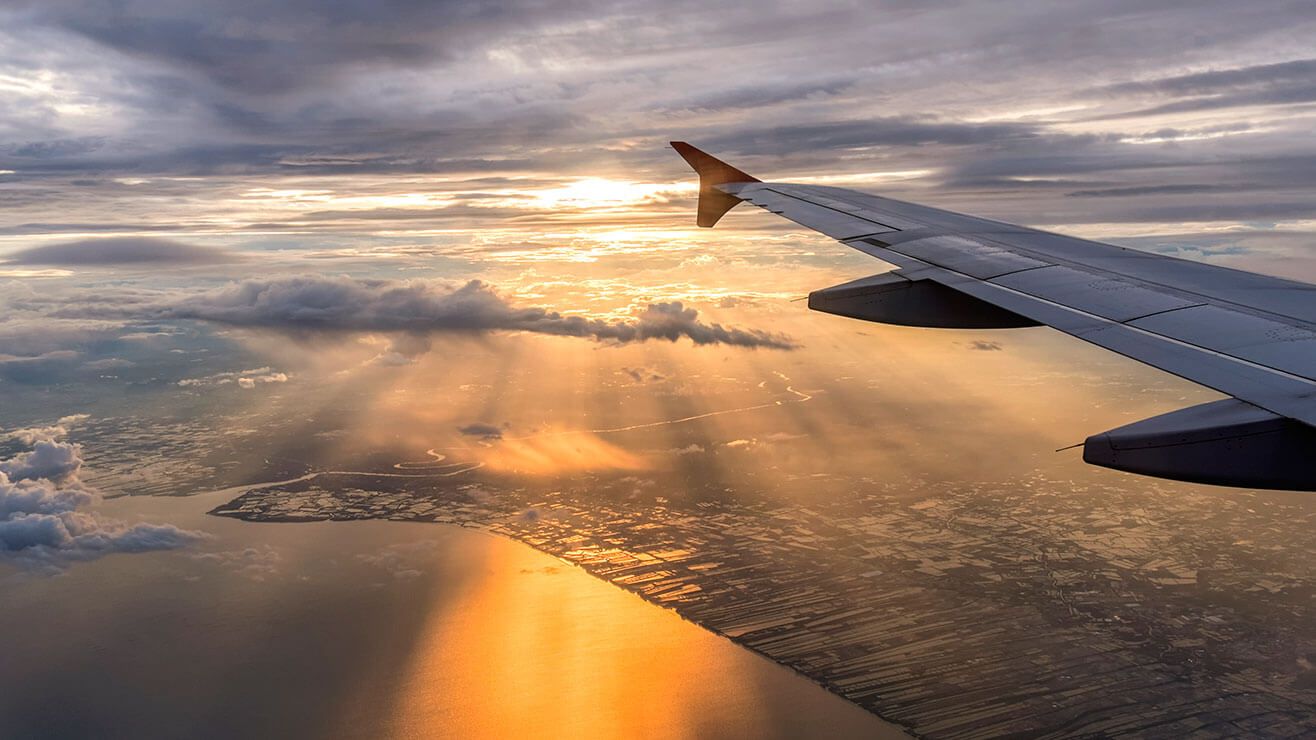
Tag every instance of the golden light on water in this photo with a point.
(582, 684)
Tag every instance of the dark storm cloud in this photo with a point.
(337, 304)
(120, 251)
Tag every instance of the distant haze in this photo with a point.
(128, 250)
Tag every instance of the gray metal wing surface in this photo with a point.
(1250, 336)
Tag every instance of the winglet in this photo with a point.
(713, 203)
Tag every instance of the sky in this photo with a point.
(297, 124)
(247, 198)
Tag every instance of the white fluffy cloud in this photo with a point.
(245, 379)
(45, 509)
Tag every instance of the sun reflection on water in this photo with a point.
(583, 683)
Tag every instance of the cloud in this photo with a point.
(407, 560)
(182, 122)
(1144, 190)
(784, 437)
(762, 95)
(403, 349)
(54, 355)
(126, 250)
(264, 49)
(1280, 83)
(250, 382)
(29, 436)
(45, 517)
(109, 363)
(418, 307)
(482, 430)
(256, 563)
(392, 359)
(55, 461)
(176, 121)
(245, 379)
(643, 374)
(36, 368)
(873, 132)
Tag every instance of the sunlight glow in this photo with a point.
(595, 192)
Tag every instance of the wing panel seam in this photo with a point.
(835, 210)
(1158, 313)
(1109, 323)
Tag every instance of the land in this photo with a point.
(1041, 608)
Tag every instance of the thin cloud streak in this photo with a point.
(120, 251)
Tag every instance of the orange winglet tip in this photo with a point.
(713, 203)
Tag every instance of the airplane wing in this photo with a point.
(1249, 336)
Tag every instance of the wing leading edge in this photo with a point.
(1249, 336)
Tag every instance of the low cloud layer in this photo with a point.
(120, 251)
(245, 379)
(335, 304)
(45, 509)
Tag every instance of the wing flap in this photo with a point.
(1278, 391)
(969, 256)
(1222, 329)
(1271, 343)
(1105, 296)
